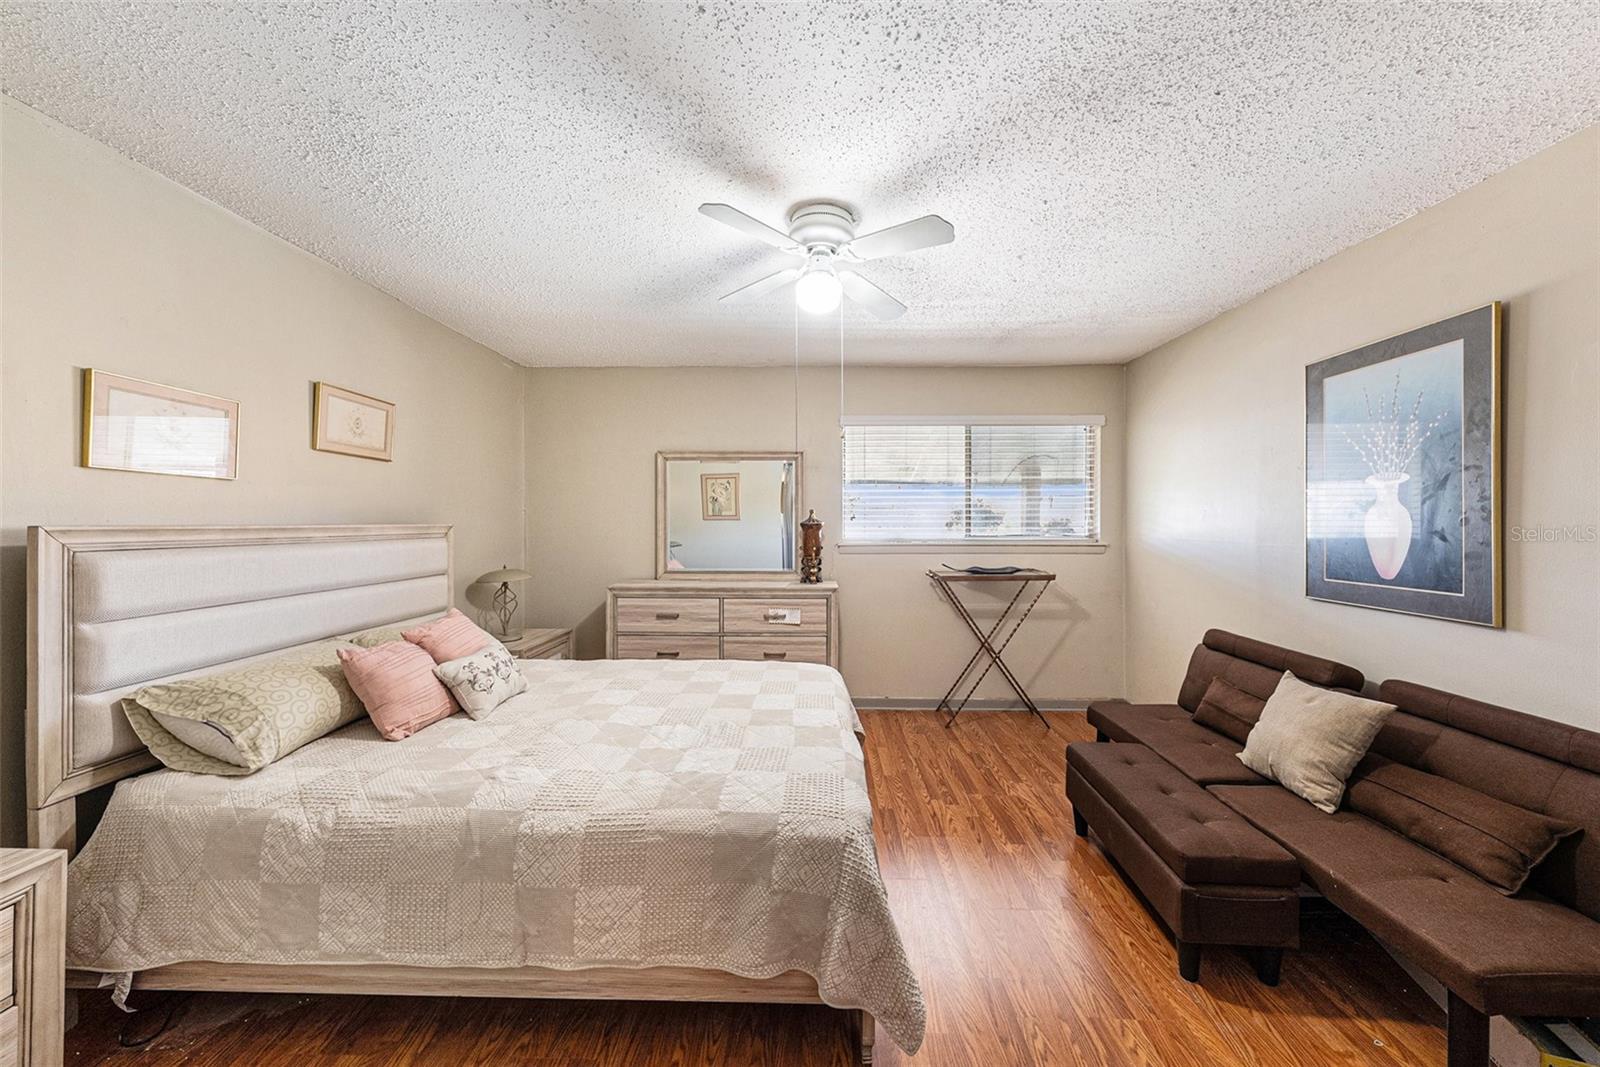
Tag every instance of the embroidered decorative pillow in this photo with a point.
(1309, 739)
(396, 683)
(451, 637)
(240, 720)
(484, 680)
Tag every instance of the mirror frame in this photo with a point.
(792, 574)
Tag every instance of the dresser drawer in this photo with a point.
(8, 952)
(10, 1040)
(783, 649)
(751, 616)
(669, 615)
(643, 646)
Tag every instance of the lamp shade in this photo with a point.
(504, 574)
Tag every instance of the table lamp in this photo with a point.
(504, 603)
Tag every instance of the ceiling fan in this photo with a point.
(823, 233)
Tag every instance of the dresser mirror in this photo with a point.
(727, 514)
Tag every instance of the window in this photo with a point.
(923, 480)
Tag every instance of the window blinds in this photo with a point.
(927, 480)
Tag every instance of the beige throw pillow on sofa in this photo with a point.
(1309, 739)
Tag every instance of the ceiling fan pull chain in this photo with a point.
(797, 377)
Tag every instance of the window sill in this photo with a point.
(1010, 548)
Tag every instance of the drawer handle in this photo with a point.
(774, 655)
(776, 614)
(667, 615)
(666, 655)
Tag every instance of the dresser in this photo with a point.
(700, 619)
(33, 923)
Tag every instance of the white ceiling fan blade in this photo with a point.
(870, 296)
(925, 232)
(732, 216)
(770, 284)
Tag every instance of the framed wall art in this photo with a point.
(351, 423)
(133, 425)
(719, 496)
(1403, 472)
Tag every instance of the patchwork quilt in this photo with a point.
(618, 813)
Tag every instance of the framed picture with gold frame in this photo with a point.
(1404, 478)
(133, 425)
(351, 423)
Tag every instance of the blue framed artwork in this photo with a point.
(1403, 472)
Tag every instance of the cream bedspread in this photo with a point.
(698, 814)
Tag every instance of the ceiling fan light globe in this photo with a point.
(818, 292)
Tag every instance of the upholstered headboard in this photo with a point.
(111, 609)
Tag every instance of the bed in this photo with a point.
(622, 830)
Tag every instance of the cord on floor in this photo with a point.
(164, 1010)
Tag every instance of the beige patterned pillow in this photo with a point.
(240, 720)
(384, 635)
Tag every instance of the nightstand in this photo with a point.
(554, 643)
(33, 940)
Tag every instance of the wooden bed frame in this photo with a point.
(56, 781)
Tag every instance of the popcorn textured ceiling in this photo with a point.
(528, 173)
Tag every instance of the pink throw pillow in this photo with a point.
(395, 682)
(451, 637)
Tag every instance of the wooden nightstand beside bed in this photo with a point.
(550, 643)
(33, 915)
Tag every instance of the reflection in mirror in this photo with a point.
(728, 513)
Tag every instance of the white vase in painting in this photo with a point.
(1388, 526)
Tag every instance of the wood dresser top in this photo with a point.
(722, 586)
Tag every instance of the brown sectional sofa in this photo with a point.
(1534, 952)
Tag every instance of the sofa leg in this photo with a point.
(1100, 737)
(1466, 1035)
(1080, 825)
(1189, 962)
(1269, 965)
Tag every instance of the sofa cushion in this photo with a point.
(1255, 667)
(1228, 710)
(1537, 764)
(1310, 739)
(1499, 842)
(1194, 834)
(1167, 730)
(1505, 955)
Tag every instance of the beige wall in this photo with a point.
(1216, 454)
(592, 439)
(105, 264)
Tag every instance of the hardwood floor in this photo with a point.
(1031, 949)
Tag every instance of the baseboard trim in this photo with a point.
(984, 704)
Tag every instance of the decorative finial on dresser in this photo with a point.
(811, 549)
